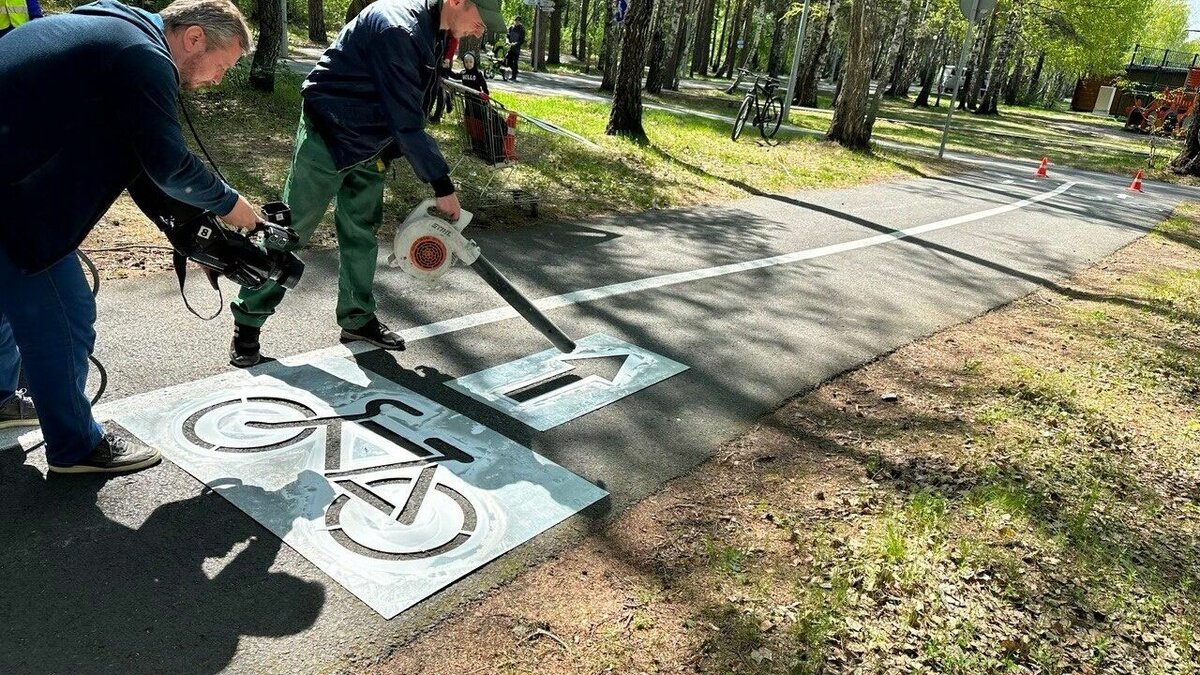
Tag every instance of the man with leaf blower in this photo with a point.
(105, 78)
(364, 105)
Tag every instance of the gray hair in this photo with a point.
(220, 20)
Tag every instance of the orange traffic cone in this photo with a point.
(1041, 172)
(1136, 185)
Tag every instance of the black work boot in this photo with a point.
(376, 333)
(244, 348)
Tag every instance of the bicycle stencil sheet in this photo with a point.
(391, 494)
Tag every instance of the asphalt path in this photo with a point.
(761, 299)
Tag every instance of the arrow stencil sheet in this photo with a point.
(551, 388)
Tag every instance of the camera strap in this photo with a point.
(180, 261)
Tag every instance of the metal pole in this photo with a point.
(958, 78)
(534, 61)
(791, 89)
(283, 37)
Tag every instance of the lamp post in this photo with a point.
(791, 88)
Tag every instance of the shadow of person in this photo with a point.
(87, 590)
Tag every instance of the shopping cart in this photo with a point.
(487, 170)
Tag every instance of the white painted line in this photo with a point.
(592, 294)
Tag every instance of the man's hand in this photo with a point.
(449, 205)
(243, 216)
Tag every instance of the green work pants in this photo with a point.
(312, 183)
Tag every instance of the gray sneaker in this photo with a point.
(18, 411)
(117, 453)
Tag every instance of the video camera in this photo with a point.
(199, 236)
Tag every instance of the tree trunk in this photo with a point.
(932, 68)
(848, 127)
(969, 77)
(1000, 63)
(556, 29)
(891, 61)
(609, 49)
(626, 118)
(675, 61)
(718, 48)
(1188, 161)
(896, 86)
(1054, 90)
(654, 76)
(1035, 79)
(266, 55)
(806, 88)
(914, 60)
(316, 22)
(543, 21)
(585, 27)
(703, 37)
(779, 38)
(983, 64)
(735, 28)
(1012, 90)
(835, 64)
(575, 29)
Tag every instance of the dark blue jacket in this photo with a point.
(88, 103)
(368, 90)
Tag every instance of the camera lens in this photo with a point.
(289, 269)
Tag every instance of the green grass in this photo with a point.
(685, 161)
(1068, 138)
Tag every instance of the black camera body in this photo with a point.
(199, 236)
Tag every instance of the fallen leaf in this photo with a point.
(762, 654)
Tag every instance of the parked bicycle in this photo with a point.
(762, 107)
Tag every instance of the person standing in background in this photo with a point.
(13, 13)
(516, 38)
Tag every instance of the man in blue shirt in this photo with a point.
(105, 79)
(363, 105)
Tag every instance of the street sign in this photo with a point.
(391, 494)
(551, 388)
(975, 10)
(622, 10)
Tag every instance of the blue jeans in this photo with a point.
(47, 325)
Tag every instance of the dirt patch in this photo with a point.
(1015, 494)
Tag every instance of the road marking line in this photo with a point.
(649, 283)
(102, 411)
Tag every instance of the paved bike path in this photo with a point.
(760, 299)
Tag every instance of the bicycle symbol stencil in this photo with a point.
(390, 493)
(394, 508)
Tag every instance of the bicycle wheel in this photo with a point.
(772, 117)
(739, 122)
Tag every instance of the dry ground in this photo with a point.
(1016, 494)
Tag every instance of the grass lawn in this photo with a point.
(1071, 138)
(1018, 494)
(686, 161)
